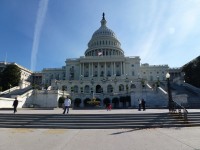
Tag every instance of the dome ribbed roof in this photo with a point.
(104, 39)
(103, 30)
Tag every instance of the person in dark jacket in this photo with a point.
(143, 105)
(15, 104)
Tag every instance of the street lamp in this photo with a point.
(170, 101)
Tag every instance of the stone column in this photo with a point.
(121, 67)
(98, 70)
(124, 68)
(92, 69)
(83, 70)
(114, 68)
(80, 69)
(89, 70)
(105, 70)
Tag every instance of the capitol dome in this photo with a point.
(104, 42)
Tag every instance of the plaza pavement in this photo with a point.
(187, 138)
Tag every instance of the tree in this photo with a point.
(192, 72)
(1, 81)
(10, 76)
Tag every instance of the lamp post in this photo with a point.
(92, 89)
(170, 101)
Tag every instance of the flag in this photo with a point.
(99, 53)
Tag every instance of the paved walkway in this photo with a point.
(99, 139)
(92, 111)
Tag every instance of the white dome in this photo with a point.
(104, 40)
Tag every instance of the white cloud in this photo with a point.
(172, 30)
(166, 29)
(43, 4)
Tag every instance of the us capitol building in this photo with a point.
(104, 71)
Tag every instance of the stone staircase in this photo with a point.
(16, 92)
(193, 96)
(98, 121)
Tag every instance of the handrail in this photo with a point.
(179, 107)
(9, 90)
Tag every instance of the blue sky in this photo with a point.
(41, 34)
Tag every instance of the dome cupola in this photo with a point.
(104, 42)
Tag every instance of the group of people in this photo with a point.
(67, 104)
(142, 104)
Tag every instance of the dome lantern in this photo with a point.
(103, 21)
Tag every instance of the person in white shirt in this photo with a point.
(67, 104)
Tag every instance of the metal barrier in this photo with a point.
(182, 111)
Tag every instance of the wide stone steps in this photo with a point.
(97, 121)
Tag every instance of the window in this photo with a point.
(108, 74)
(121, 87)
(109, 89)
(95, 74)
(102, 73)
(75, 89)
(87, 89)
(133, 86)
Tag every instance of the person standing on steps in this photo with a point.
(143, 105)
(67, 104)
(15, 104)
(139, 103)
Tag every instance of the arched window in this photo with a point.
(98, 89)
(121, 87)
(87, 89)
(75, 89)
(133, 86)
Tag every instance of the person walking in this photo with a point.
(109, 107)
(15, 104)
(67, 104)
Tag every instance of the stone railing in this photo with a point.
(191, 87)
(8, 102)
(10, 90)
